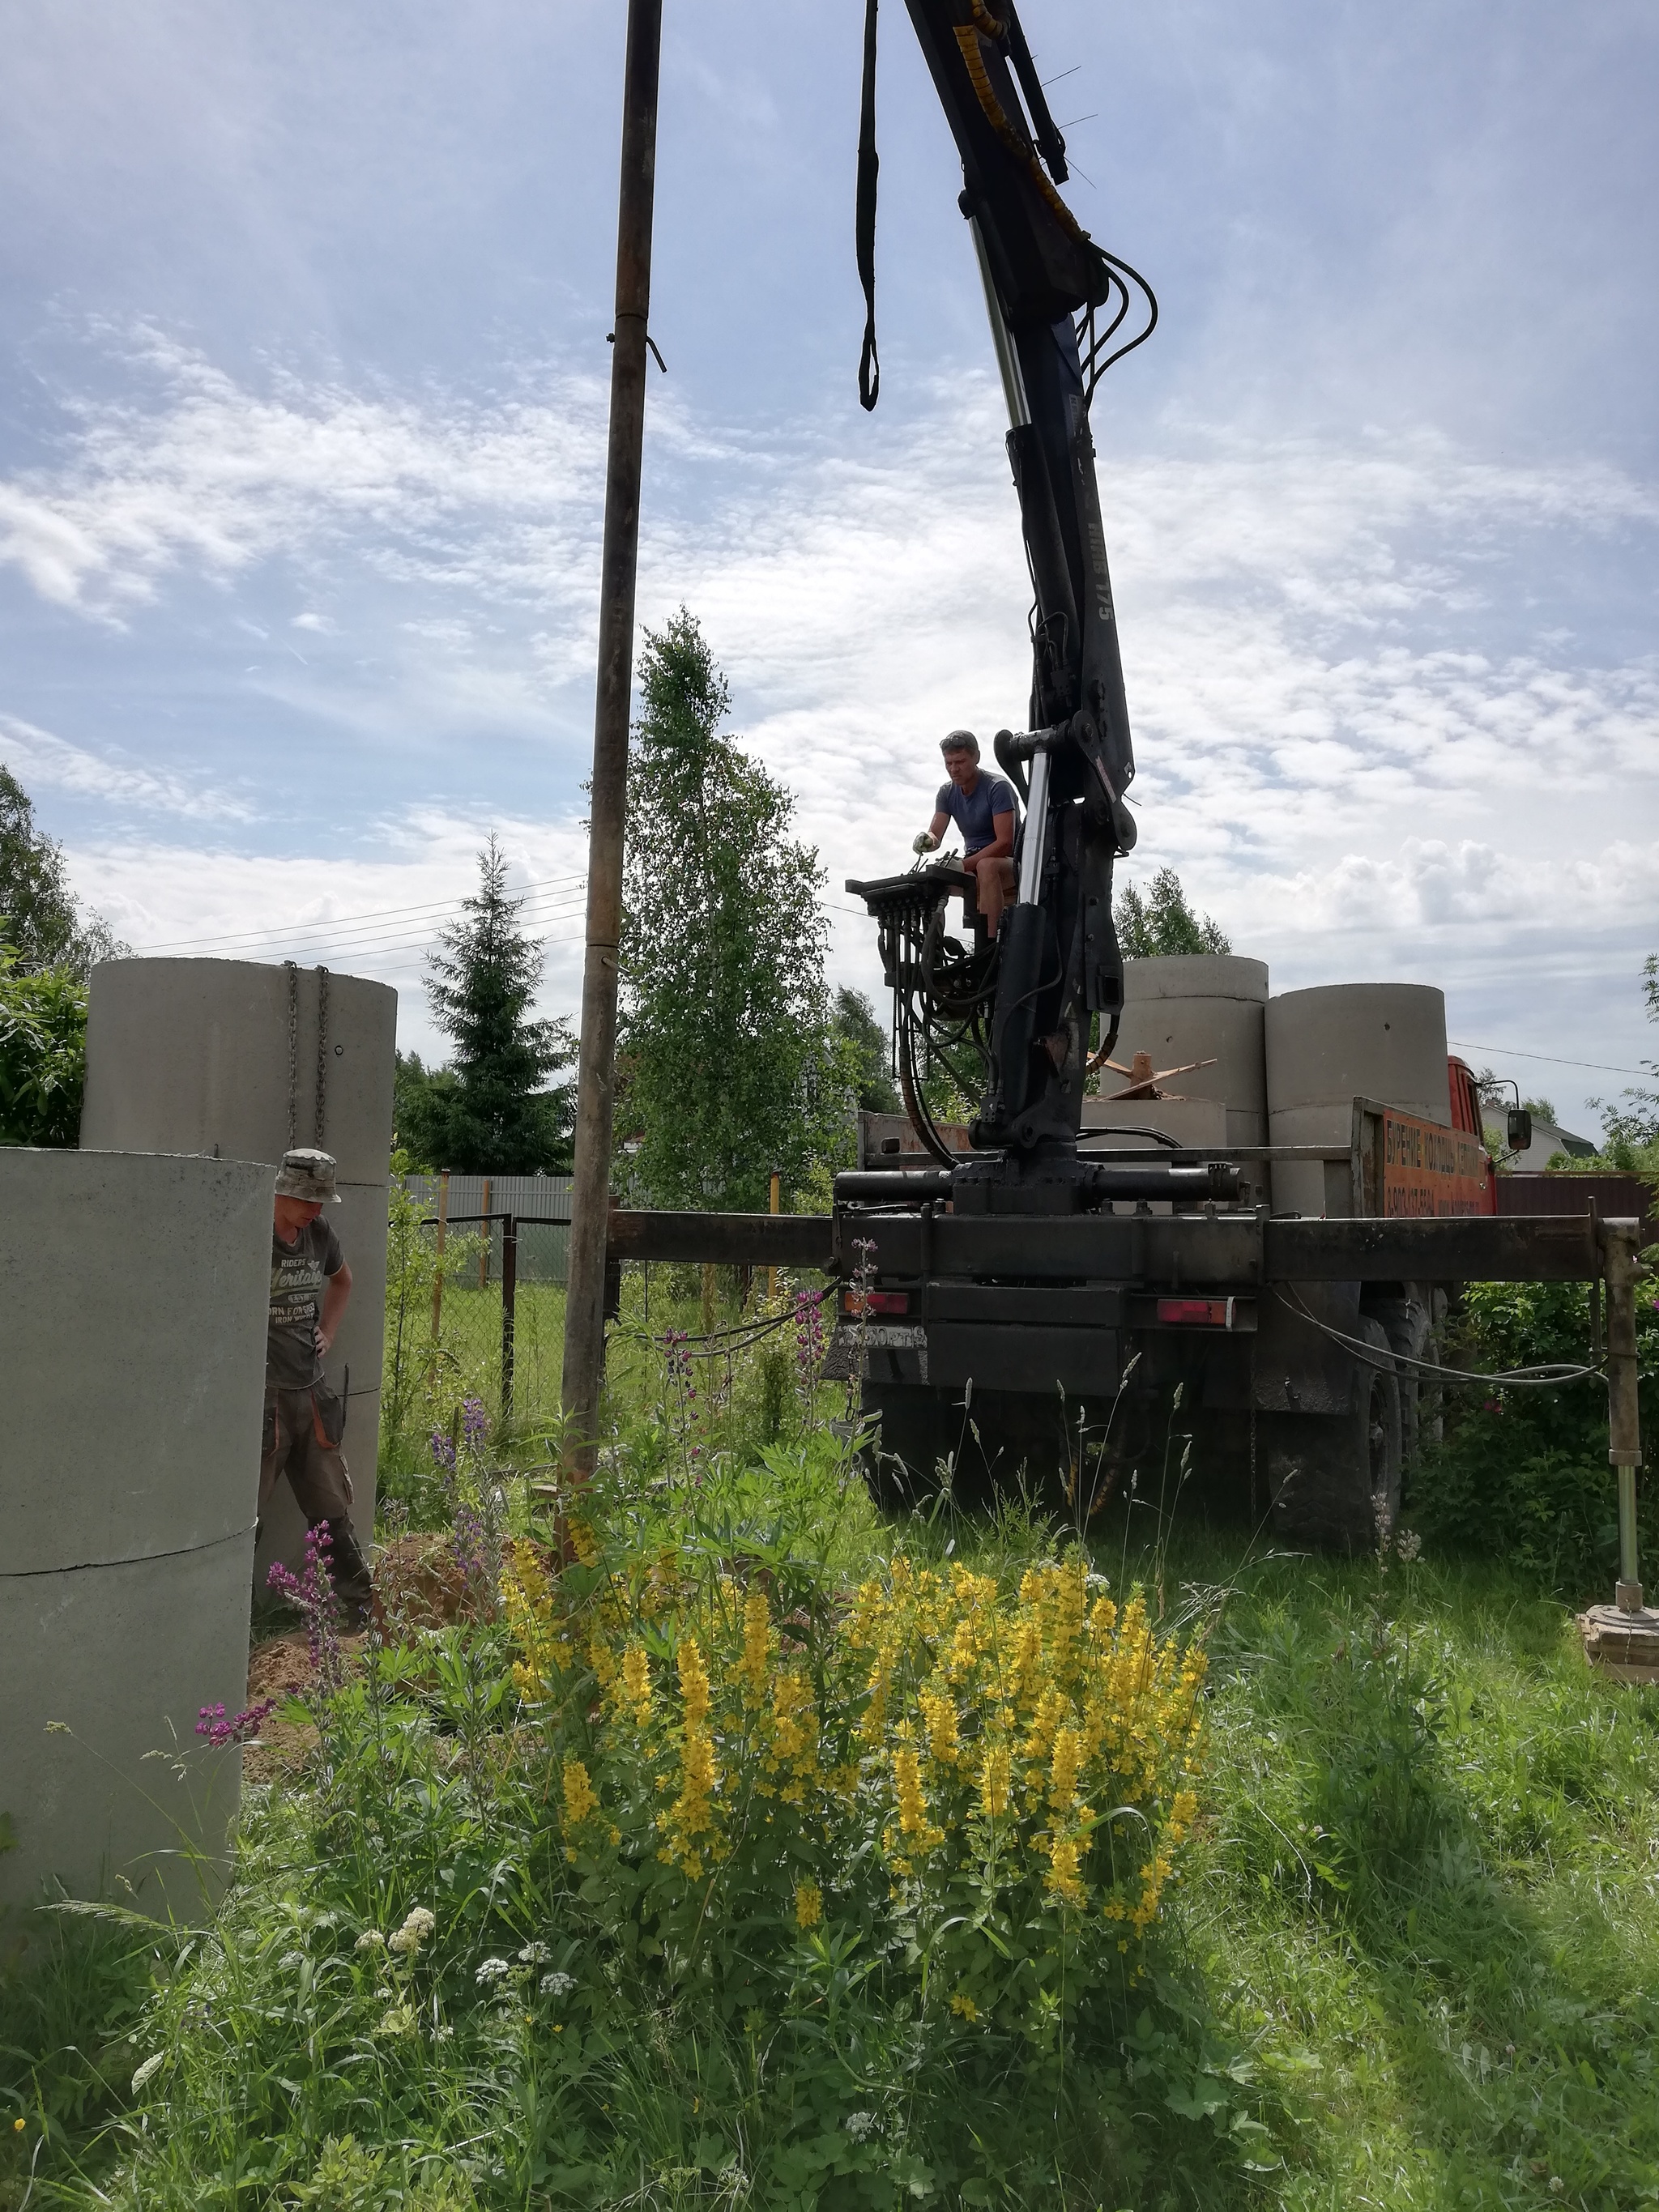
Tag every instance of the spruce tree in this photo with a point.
(490, 1111)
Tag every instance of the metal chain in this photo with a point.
(293, 1045)
(322, 1051)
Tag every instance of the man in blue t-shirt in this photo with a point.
(984, 809)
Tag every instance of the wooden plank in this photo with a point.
(754, 1239)
(1457, 1249)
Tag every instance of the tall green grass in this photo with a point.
(1411, 1961)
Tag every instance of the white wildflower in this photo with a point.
(534, 1955)
(860, 2125)
(490, 1972)
(1409, 1545)
(557, 1985)
(370, 1940)
(414, 1932)
(151, 2067)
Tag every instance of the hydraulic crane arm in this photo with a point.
(1057, 303)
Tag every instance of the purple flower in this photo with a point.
(809, 1338)
(219, 1731)
(469, 1543)
(443, 1451)
(474, 1420)
(312, 1594)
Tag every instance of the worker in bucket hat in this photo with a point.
(305, 1420)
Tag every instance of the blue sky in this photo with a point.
(301, 427)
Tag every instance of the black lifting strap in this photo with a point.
(865, 218)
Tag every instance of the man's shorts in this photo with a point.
(303, 1433)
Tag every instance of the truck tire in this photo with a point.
(901, 1467)
(1334, 1475)
(1409, 1328)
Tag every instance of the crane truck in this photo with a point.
(1050, 1274)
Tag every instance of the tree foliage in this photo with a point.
(39, 917)
(1159, 921)
(869, 1053)
(43, 1054)
(1630, 1131)
(491, 1111)
(730, 1066)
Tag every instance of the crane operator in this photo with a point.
(985, 810)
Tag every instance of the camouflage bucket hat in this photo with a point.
(307, 1173)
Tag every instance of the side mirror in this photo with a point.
(1519, 1131)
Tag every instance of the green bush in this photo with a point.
(43, 1055)
(1523, 1475)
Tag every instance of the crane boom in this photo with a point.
(1047, 286)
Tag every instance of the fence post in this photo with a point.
(438, 1278)
(1624, 1428)
(772, 1273)
(509, 1296)
(487, 1253)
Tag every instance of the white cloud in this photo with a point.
(375, 913)
(38, 757)
(1355, 741)
(216, 477)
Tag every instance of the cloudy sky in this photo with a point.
(303, 408)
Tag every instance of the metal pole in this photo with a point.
(487, 1252)
(438, 1278)
(1619, 1245)
(584, 1323)
(776, 1195)
(509, 1300)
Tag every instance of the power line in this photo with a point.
(334, 922)
(401, 952)
(363, 948)
(1514, 1051)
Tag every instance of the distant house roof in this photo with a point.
(1547, 1140)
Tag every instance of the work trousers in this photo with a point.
(303, 1441)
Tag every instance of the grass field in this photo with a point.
(1410, 1959)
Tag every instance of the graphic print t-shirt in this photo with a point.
(298, 1272)
(973, 812)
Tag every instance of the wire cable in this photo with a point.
(372, 914)
(1545, 1377)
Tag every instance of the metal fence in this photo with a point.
(499, 1248)
(539, 1204)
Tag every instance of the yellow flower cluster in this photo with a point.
(1046, 1740)
(690, 1818)
(527, 1604)
(579, 1795)
(1018, 1733)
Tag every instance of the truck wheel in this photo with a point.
(902, 1465)
(1410, 1330)
(1334, 1475)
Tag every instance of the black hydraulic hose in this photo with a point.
(864, 221)
(1158, 1136)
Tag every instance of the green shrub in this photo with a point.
(1523, 1475)
(43, 1055)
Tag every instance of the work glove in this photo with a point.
(926, 843)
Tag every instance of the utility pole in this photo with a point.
(583, 1328)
